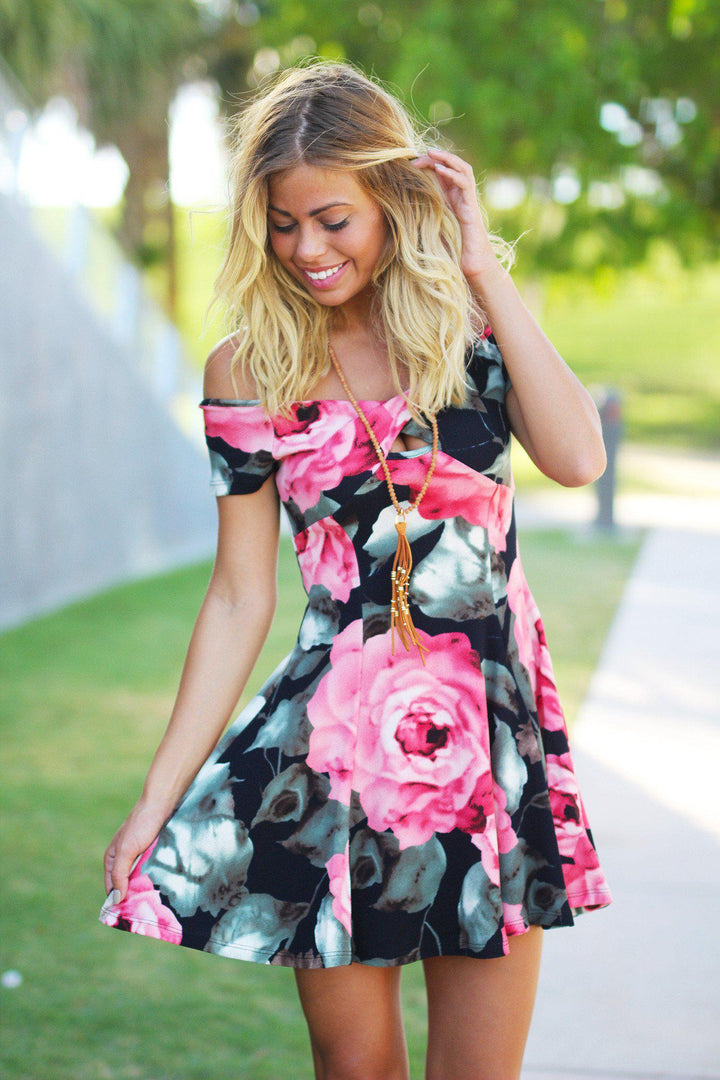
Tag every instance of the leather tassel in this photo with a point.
(400, 617)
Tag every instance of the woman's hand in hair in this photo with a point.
(457, 181)
(550, 411)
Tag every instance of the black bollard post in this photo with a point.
(608, 401)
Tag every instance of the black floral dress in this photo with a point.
(366, 806)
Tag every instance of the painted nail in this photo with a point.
(115, 898)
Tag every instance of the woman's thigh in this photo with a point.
(479, 1011)
(354, 1017)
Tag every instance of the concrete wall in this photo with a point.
(97, 483)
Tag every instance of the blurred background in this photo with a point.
(594, 133)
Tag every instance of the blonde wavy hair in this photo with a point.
(330, 114)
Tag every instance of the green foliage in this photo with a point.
(120, 63)
(518, 87)
(584, 239)
(28, 36)
(111, 48)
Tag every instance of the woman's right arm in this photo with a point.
(229, 633)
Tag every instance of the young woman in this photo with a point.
(401, 788)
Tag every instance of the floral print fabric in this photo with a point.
(364, 806)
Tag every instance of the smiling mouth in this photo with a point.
(325, 275)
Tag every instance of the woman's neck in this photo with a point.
(354, 316)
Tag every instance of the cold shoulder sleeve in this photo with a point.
(240, 438)
(487, 367)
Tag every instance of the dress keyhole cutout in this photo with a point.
(408, 442)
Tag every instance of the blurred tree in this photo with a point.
(604, 114)
(120, 63)
(607, 110)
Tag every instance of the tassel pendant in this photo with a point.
(400, 617)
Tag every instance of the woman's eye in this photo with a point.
(333, 227)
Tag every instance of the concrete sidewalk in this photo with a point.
(637, 510)
(634, 990)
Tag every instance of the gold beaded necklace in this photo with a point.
(400, 617)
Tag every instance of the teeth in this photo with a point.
(324, 273)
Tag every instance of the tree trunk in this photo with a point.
(147, 228)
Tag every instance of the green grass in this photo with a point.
(652, 334)
(87, 693)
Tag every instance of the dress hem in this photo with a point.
(283, 958)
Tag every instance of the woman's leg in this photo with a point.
(479, 1011)
(355, 1022)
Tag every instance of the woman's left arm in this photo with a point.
(550, 411)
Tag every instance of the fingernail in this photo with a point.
(115, 898)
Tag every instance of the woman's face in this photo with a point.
(322, 222)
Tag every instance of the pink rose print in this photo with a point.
(507, 838)
(513, 919)
(248, 428)
(423, 745)
(522, 604)
(338, 868)
(584, 880)
(332, 711)
(328, 444)
(492, 831)
(302, 417)
(455, 489)
(142, 908)
(533, 650)
(550, 710)
(567, 809)
(327, 557)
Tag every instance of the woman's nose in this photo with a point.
(311, 243)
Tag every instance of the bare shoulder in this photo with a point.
(217, 382)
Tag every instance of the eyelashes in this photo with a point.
(332, 228)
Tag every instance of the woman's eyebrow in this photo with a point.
(313, 213)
